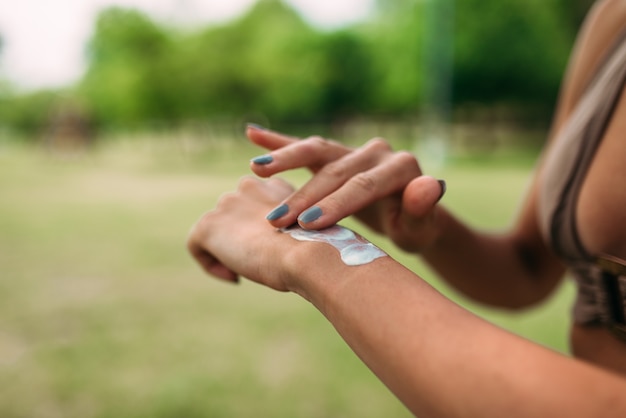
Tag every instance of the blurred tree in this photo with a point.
(346, 75)
(574, 12)
(124, 55)
(271, 62)
(396, 42)
(281, 54)
(262, 61)
(26, 113)
(23, 115)
(501, 53)
(498, 54)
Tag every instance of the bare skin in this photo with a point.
(388, 192)
(439, 359)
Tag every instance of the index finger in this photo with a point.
(268, 139)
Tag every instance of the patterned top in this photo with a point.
(601, 279)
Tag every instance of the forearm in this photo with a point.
(501, 269)
(439, 359)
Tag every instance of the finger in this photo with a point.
(210, 264)
(421, 195)
(327, 180)
(361, 191)
(313, 153)
(268, 139)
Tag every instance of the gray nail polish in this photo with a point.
(311, 214)
(263, 159)
(278, 212)
(442, 183)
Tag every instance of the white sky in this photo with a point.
(44, 39)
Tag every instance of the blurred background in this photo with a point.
(121, 122)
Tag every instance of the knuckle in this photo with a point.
(365, 181)
(332, 205)
(226, 201)
(201, 227)
(316, 138)
(334, 170)
(315, 143)
(405, 158)
(379, 144)
(196, 236)
(334, 143)
(247, 182)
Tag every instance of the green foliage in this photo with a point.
(345, 76)
(265, 61)
(573, 12)
(27, 114)
(122, 84)
(396, 43)
(502, 53)
(269, 62)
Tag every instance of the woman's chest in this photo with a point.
(601, 205)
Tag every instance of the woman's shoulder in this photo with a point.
(604, 24)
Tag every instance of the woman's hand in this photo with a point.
(234, 239)
(384, 189)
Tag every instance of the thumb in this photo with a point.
(421, 195)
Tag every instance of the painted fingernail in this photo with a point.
(255, 126)
(311, 214)
(442, 183)
(262, 159)
(278, 212)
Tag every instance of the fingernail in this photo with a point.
(442, 183)
(263, 159)
(278, 212)
(255, 126)
(311, 214)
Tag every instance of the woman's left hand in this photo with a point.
(235, 239)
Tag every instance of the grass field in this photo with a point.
(103, 313)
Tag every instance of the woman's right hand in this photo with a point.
(384, 189)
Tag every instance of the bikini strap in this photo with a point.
(613, 281)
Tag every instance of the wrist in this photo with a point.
(321, 260)
(311, 269)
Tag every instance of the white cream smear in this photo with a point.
(354, 249)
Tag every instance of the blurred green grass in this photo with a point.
(103, 313)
